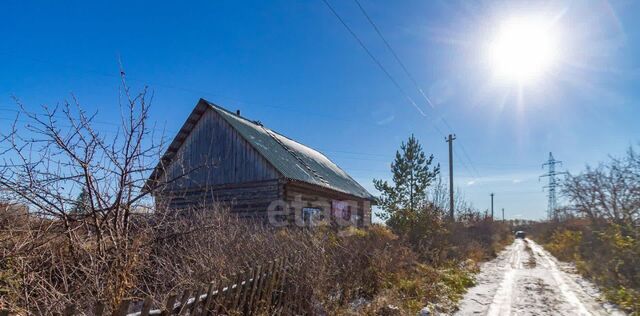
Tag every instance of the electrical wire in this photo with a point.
(370, 54)
(413, 80)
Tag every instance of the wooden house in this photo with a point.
(220, 156)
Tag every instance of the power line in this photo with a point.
(464, 164)
(233, 100)
(466, 155)
(413, 80)
(354, 153)
(361, 43)
(393, 52)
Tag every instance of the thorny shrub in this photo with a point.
(333, 268)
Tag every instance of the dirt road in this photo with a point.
(526, 280)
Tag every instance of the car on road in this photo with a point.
(520, 234)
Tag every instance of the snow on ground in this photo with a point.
(526, 280)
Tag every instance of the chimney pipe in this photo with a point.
(238, 112)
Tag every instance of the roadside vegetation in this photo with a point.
(599, 230)
(91, 233)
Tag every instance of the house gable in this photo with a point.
(292, 159)
(213, 153)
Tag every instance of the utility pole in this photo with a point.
(503, 214)
(492, 205)
(450, 140)
(551, 187)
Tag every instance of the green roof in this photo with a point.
(292, 159)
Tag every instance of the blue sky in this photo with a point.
(292, 65)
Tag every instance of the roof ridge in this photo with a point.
(329, 173)
(256, 123)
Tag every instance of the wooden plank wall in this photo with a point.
(249, 199)
(313, 197)
(223, 155)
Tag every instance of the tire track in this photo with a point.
(526, 280)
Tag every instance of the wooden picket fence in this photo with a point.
(259, 291)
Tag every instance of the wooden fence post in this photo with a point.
(247, 286)
(146, 306)
(283, 291)
(254, 287)
(219, 299)
(231, 292)
(257, 290)
(240, 285)
(196, 301)
(183, 302)
(264, 287)
(70, 310)
(228, 298)
(98, 309)
(122, 309)
(209, 301)
(272, 294)
(168, 309)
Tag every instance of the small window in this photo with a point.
(346, 213)
(311, 216)
(341, 210)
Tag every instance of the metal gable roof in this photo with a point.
(292, 159)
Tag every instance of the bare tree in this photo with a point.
(609, 192)
(57, 155)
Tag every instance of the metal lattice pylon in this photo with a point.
(552, 185)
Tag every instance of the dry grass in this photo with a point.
(332, 269)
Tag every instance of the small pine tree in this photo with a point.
(81, 205)
(412, 175)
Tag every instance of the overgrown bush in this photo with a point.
(333, 269)
(607, 255)
(91, 232)
(599, 229)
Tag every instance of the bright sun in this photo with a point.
(523, 49)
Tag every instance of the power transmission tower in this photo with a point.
(450, 140)
(552, 185)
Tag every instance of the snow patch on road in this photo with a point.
(526, 280)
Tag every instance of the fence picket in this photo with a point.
(247, 286)
(206, 308)
(254, 286)
(183, 302)
(272, 286)
(259, 290)
(122, 309)
(240, 283)
(70, 310)
(146, 306)
(219, 297)
(276, 297)
(196, 301)
(171, 302)
(261, 284)
(98, 309)
(264, 287)
(228, 298)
